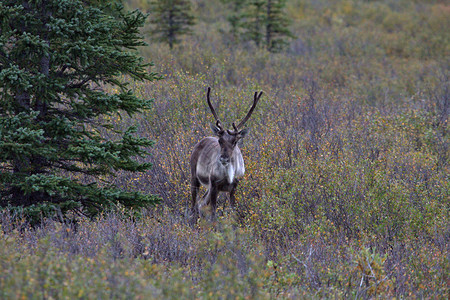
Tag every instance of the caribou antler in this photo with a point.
(218, 124)
(255, 101)
(236, 131)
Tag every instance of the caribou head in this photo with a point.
(217, 163)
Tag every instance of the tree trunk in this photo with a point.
(171, 33)
(269, 25)
(36, 164)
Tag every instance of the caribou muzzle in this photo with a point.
(224, 160)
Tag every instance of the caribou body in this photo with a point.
(217, 162)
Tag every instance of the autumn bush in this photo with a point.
(346, 191)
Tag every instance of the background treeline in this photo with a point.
(346, 192)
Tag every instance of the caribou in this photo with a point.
(217, 162)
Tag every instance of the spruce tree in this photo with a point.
(265, 23)
(277, 32)
(170, 19)
(56, 58)
(235, 17)
(254, 21)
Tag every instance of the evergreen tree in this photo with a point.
(235, 17)
(254, 20)
(56, 57)
(264, 22)
(170, 19)
(277, 32)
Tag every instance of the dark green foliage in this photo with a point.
(234, 17)
(253, 21)
(170, 19)
(261, 21)
(277, 32)
(56, 58)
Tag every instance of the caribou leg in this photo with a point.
(195, 186)
(232, 191)
(211, 200)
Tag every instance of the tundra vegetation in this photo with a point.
(346, 190)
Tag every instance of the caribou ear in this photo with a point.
(243, 133)
(217, 131)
